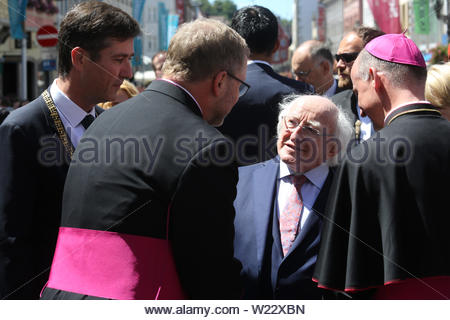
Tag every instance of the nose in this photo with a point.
(126, 71)
(340, 64)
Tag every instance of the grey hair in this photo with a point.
(343, 132)
(319, 52)
(399, 75)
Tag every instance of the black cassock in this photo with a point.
(388, 216)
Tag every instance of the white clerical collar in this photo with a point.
(258, 61)
(185, 90)
(330, 92)
(316, 176)
(69, 109)
(405, 104)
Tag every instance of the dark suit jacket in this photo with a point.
(171, 181)
(252, 122)
(257, 242)
(347, 101)
(33, 169)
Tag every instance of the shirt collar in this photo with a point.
(69, 109)
(258, 61)
(185, 90)
(404, 105)
(316, 176)
(330, 92)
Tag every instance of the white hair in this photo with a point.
(343, 132)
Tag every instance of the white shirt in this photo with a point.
(310, 189)
(258, 61)
(70, 114)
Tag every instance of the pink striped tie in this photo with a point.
(290, 216)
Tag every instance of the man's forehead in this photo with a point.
(351, 43)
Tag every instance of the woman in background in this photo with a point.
(127, 90)
(437, 89)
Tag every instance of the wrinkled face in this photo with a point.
(102, 78)
(308, 70)
(351, 43)
(368, 100)
(306, 144)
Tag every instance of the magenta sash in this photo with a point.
(114, 265)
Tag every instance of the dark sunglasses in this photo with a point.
(346, 57)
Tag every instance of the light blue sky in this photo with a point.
(282, 8)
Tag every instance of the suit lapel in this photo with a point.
(264, 189)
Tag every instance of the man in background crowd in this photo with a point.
(312, 63)
(349, 48)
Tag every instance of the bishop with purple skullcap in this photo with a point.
(396, 48)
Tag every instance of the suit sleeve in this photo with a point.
(17, 183)
(202, 230)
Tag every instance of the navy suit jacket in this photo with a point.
(257, 240)
(252, 122)
(34, 166)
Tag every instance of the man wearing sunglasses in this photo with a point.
(348, 50)
(252, 122)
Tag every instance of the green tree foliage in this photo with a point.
(224, 8)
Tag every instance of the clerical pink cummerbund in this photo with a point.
(114, 265)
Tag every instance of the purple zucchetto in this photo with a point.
(396, 48)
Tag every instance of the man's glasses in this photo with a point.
(292, 123)
(243, 88)
(301, 74)
(346, 57)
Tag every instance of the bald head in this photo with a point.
(312, 63)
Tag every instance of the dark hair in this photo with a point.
(367, 34)
(90, 25)
(258, 26)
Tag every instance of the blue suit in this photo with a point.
(265, 273)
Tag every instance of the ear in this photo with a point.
(325, 66)
(219, 83)
(375, 79)
(332, 148)
(78, 56)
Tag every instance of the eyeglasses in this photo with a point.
(243, 88)
(301, 74)
(346, 57)
(292, 123)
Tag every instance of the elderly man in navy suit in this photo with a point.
(280, 202)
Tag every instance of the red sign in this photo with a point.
(386, 14)
(47, 36)
(282, 54)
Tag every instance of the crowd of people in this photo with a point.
(223, 179)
